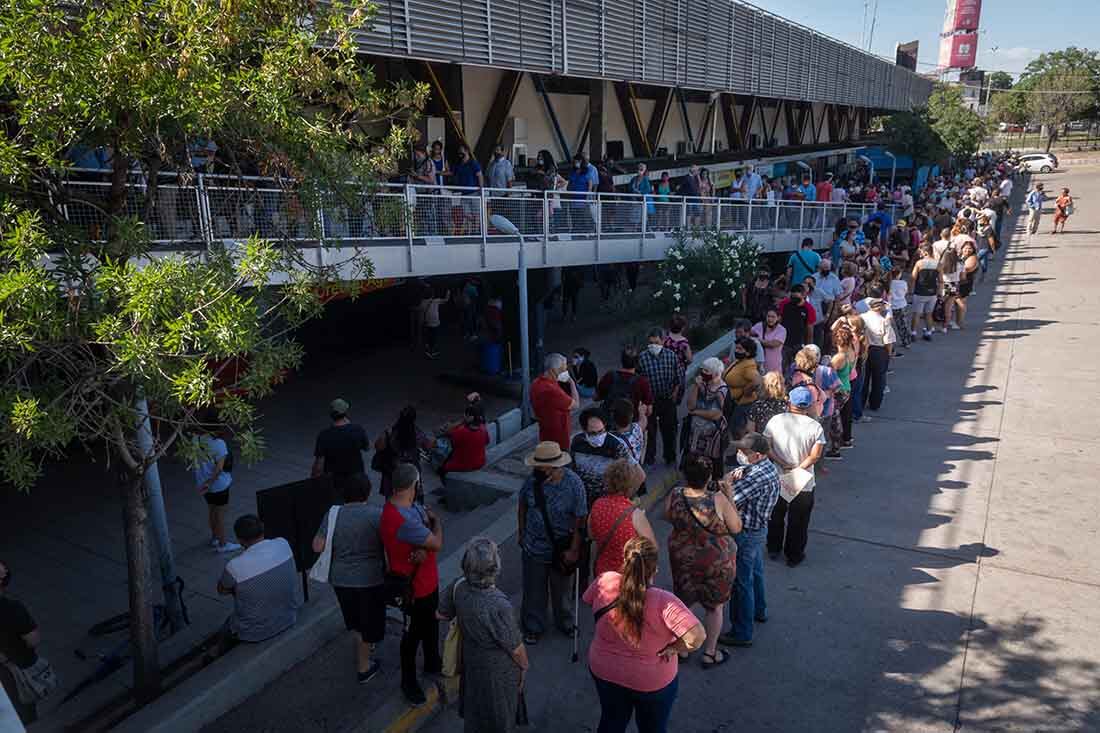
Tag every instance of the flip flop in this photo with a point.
(717, 659)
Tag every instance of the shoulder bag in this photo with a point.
(384, 460)
(322, 568)
(34, 684)
(452, 643)
(560, 546)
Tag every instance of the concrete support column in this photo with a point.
(597, 119)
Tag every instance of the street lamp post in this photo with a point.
(893, 167)
(505, 225)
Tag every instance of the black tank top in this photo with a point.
(926, 282)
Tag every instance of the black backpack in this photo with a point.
(620, 389)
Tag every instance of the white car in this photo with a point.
(1038, 162)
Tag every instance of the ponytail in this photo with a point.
(639, 565)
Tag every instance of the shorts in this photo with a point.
(923, 305)
(950, 290)
(965, 289)
(364, 610)
(217, 498)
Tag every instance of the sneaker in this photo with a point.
(228, 547)
(372, 670)
(414, 694)
(847, 444)
(214, 542)
(954, 327)
(927, 336)
(943, 329)
(833, 455)
(886, 389)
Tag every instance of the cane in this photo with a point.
(576, 610)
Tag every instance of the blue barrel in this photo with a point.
(491, 356)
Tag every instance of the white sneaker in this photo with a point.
(228, 547)
(214, 542)
(944, 329)
(886, 389)
(954, 327)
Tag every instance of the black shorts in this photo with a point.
(364, 611)
(965, 288)
(217, 498)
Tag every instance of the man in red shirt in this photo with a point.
(625, 383)
(551, 404)
(411, 536)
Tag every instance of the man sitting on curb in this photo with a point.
(264, 585)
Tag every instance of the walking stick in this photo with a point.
(576, 610)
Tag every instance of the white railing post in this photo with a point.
(801, 214)
(748, 217)
(683, 212)
(546, 227)
(718, 216)
(645, 223)
(483, 217)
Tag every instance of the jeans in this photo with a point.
(749, 601)
(650, 710)
(877, 363)
(541, 583)
(663, 419)
(789, 526)
(857, 391)
(421, 627)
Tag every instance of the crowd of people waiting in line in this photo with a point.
(814, 354)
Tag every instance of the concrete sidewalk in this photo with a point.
(950, 583)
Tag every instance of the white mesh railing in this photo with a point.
(223, 207)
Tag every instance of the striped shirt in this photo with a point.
(265, 589)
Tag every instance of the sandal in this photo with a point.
(530, 639)
(684, 656)
(717, 659)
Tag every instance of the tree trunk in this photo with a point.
(143, 636)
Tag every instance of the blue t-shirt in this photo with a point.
(465, 174)
(215, 450)
(809, 191)
(800, 271)
(565, 503)
(885, 221)
(579, 180)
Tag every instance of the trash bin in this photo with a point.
(491, 353)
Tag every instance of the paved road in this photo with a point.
(950, 582)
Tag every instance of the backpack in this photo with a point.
(227, 464)
(620, 389)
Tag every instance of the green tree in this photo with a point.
(959, 128)
(911, 133)
(1062, 86)
(91, 325)
(1013, 106)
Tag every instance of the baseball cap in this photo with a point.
(801, 397)
(339, 406)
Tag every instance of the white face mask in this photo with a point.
(563, 377)
(596, 441)
(578, 360)
(742, 459)
(654, 349)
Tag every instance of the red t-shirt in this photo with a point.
(605, 512)
(468, 448)
(824, 191)
(640, 391)
(402, 531)
(551, 406)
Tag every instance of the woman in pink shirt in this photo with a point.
(772, 335)
(639, 632)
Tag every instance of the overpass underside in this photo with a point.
(636, 80)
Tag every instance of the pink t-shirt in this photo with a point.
(616, 660)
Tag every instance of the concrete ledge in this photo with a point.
(507, 447)
(466, 491)
(239, 675)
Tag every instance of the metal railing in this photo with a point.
(217, 208)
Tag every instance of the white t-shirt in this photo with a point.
(879, 329)
(978, 194)
(898, 290)
(839, 195)
(939, 247)
(431, 311)
(1006, 187)
(793, 437)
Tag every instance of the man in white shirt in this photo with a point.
(1006, 187)
(879, 329)
(753, 182)
(797, 442)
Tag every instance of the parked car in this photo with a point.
(1038, 162)
(1033, 128)
(1009, 127)
(1078, 126)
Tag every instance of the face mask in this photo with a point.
(578, 360)
(596, 441)
(654, 349)
(740, 355)
(563, 377)
(577, 164)
(742, 459)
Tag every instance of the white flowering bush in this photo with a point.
(705, 271)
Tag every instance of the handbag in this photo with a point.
(452, 643)
(322, 567)
(384, 460)
(560, 546)
(939, 313)
(34, 684)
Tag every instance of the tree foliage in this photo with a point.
(1062, 86)
(911, 133)
(959, 128)
(91, 320)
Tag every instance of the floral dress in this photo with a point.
(701, 550)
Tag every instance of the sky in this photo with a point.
(1012, 32)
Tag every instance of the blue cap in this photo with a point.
(801, 397)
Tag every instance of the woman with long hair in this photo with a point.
(640, 631)
(843, 363)
(968, 266)
(701, 549)
(771, 402)
(400, 444)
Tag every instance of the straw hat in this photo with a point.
(548, 454)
